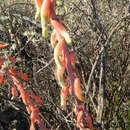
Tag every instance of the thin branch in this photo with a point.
(115, 27)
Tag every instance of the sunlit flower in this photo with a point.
(77, 89)
(61, 30)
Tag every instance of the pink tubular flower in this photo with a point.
(77, 89)
(45, 15)
(61, 30)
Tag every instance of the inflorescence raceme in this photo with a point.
(64, 59)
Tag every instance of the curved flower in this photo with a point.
(77, 89)
(58, 52)
(45, 15)
(61, 30)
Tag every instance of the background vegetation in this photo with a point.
(101, 41)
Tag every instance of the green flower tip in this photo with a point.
(37, 15)
(67, 38)
(44, 32)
